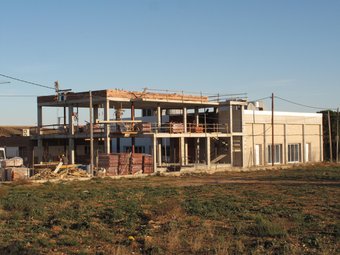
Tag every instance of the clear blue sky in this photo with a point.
(289, 47)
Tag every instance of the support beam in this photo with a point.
(39, 120)
(107, 140)
(208, 151)
(182, 150)
(159, 151)
(154, 153)
(285, 158)
(71, 156)
(70, 120)
(185, 124)
(197, 117)
(197, 150)
(133, 139)
(303, 149)
(95, 113)
(40, 150)
(159, 118)
(186, 152)
(321, 142)
(40, 141)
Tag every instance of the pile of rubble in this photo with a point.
(58, 171)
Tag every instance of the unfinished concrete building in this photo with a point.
(180, 131)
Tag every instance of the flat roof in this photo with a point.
(124, 99)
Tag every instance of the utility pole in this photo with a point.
(91, 133)
(273, 145)
(330, 137)
(337, 135)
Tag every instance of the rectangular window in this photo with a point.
(294, 152)
(277, 153)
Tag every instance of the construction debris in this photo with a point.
(48, 173)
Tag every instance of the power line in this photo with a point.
(28, 82)
(19, 96)
(303, 105)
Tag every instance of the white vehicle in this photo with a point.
(2, 154)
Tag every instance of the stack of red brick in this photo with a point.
(147, 164)
(126, 163)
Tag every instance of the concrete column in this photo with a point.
(107, 140)
(40, 150)
(70, 120)
(39, 118)
(253, 143)
(231, 151)
(197, 116)
(231, 119)
(185, 124)
(197, 150)
(321, 142)
(133, 139)
(159, 151)
(182, 150)
(95, 113)
(285, 143)
(303, 151)
(154, 152)
(40, 141)
(265, 154)
(159, 118)
(186, 159)
(208, 151)
(71, 157)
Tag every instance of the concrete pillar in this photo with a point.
(40, 141)
(321, 142)
(197, 150)
(186, 151)
(107, 140)
(71, 156)
(39, 118)
(133, 139)
(303, 150)
(285, 144)
(70, 120)
(208, 151)
(159, 151)
(185, 124)
(182, 150)
(265, 154)
(154, 152)
(40, 150)
(159, 118)
(95, 113)
(231, 119)
(231, 147)
(197, 116)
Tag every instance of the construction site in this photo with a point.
(129, 133)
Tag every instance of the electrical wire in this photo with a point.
(19, 96)
(303, 105)
(28, 82)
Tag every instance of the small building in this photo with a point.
(17, 142)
